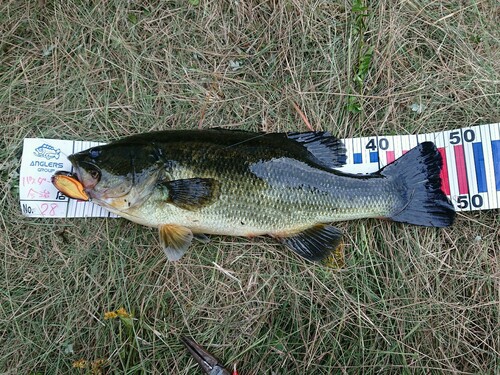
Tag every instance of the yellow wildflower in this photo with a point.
(122, 313)
(97, 366)
(110, 315)
(81, 363)
(99, 362)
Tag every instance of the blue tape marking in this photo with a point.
(495, 149)
(373, 157)
(477, 149)
(358, 158)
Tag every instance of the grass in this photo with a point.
(409, 300)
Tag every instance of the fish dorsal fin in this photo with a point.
(175, 240)
(192, 193)
(326, 150)
(317, 243)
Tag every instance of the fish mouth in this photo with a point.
(90, 175)
(87, 173)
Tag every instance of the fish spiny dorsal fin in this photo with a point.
(175, 240)
(318, 243)
(192, 193)
(326, 150)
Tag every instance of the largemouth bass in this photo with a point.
(192, 183)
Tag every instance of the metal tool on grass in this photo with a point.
(209, 364)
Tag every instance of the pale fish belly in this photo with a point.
(243, 210)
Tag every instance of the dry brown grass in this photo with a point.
(409, 299)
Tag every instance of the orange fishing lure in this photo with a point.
(68, 184)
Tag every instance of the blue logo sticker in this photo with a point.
(47, 151)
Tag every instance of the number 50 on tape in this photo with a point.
(471, 161)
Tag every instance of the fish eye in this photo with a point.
(95, 174)
(94, 153)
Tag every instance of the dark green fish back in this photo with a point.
(319, 148)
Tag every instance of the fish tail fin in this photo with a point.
(418, 173)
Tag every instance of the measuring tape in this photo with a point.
(470, 174)
(471, 161)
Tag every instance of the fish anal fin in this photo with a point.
(320, 243)
(175, 240)
(192, 193)
(325, 149)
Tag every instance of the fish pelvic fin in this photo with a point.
(201, 237)
(192, 193)
(423, 201)
(175, 240)
(320, 243)
(325, 149)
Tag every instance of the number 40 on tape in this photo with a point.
(471, 161)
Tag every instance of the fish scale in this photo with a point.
(249, 184)
(280, 196)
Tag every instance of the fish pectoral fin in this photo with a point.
(175, 240)
(191, 193)
(320, 243)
